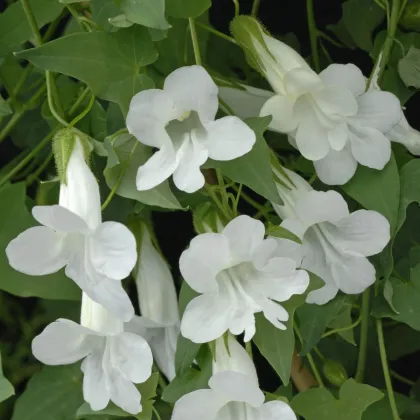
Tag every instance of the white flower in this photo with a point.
(180, 121)
(405, 134)
(159, 323)
(238, 273)
(232, 396)
(229, 355)
(377, 113)
(97, 256)
(112, 359)
(335, 243)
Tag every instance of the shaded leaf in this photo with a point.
(409, 68)
(4, 108)
(6, 388)
(187, 8)
(150, 13)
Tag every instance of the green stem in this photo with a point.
(50, 88)
(84, 112)
(361, 362)
(251, 201)
(255, 8)
(34, 176)
(79, 100)
(402, 379)
(216, 32)
(236, 4)
(221, 207)
(194, 40)
(32, 22)
(385, 368)
(156, 413)
(313, 34)
(342, 329)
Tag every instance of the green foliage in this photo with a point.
(150, 13)
(409, 68)
(6, 388)
(187, 8)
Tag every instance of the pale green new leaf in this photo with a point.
(150, 13)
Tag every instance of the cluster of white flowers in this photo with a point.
(331, 118)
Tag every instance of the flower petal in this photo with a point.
(207, 255)
(157, 169)
(405, 134)
(228, 138)
(190, 156)
(234, 386)
(206, 318)
(64, 342)
(38, 251)
(245, 235)
(370, 147)
(131, 355)
(113, 250)
(363, 232)
(94, 384)
(150, 110)
(275, 313)
(202, 404)
(338, 136)
(378, 109)
(345, 75)
(336, 168)
(318, 206)
(192, 89)
(353, 274)
(281, 108)
(301, 80)
(123, 393)
(59, 218)
(336, 100)
(323, 295)
(276, 410)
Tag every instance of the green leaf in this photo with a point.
(381, 410)
(98, 126)
(254, 168)
(4, 108)
(150, 13)
(377, 190)
(187, 8)
(409, 68)
(14, 26)
(53, 286)
(401, 334)
(108, 63)
(314, 319)
(192, 380)
(320, 404)
(344, 319)
(281, 232)
(52, 394)
(360, 18)
(102, 11)
(6, 388)
(276, 345)
(125, 157)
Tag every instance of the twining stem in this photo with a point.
(32, 22)
(34, 176)
(361, 362)
(255, 8)
(156, 413)
(342, 329)
(50, 87)
(385, 368)
(86, 111)
(236, 4)
(313, 34)
(216, 32)
(221, 207)
(79, 100)
(194, 39)
(402, 379)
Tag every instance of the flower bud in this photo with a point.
(411, 16)
(335, 373)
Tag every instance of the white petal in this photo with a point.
(336, 168)
(202, 404)
(113, 250)
(363, 232)
(318, 206)
(155, 287)
(157, 169)
(336, 100)
(275, 313)
(38, 251)
(234, 386)
(289, 249)
(207, 255)
(94, 385)
(246, 102)
(242, 319)
(123, 393)
(228, 138)
(64, 342)
(323, 295)
(281, 108)
(378, 109)
(403, 133)
(231, 356)
(80, 194)
(264, 252)
(345, 75)
(277, 410)
(301, 80)
(296, 226)
(245, 235)
(59, 218)
(150, 110)
(190, 156)
(338, 136)
(353, 274)
(192, 89)
(206, 318)
(370, 147)
(131, 355)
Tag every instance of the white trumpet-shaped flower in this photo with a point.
(96, 256)
(232, 396)
(180, 121)
(159, 323)
(238, 273)
(113, 360)
(335, 243)
(405, 134)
